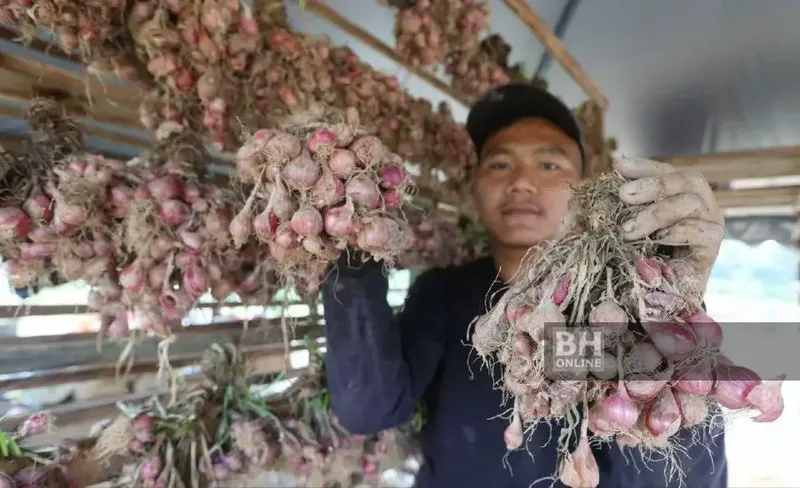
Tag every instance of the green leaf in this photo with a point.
(14, 449)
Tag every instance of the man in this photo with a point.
(379, 365)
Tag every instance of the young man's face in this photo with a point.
(521, 186)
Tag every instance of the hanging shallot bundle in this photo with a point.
(292, 72)
(28, 234)
(437, 242)
(198, 56)
(80, 27)
(420, 39)
(318, 188)
(175, 236)
(660, 369)
(319, 451)
(476, 71)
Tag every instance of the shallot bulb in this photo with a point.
(617, 411)
(733, 385)
(338, 221)
(580, 468)
(363, 191)
(342, 163)
(307, 222)
(14, 223)
(321, 141)
(166, 188)
(392, 176)
(328, 190)
(301, 172)
(663, 415)
(39, 207)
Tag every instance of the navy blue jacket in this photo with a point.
(379, 365)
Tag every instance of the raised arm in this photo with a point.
(378, 364)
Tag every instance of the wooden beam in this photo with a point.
(96, 409)
(334, 18)
(556, 48)
(759, 197)
(51, 77)
(138, 143)
(30, 365)
(17, 145)
(38, 45)
(722, 167)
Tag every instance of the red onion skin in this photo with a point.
(285, 236)
(338, 222)
(663, 415)
(156, 276)
(321, 139)
(39, 207)
(644, 388)
(674, 341)
(733, 385)
(562, 289)
(392, 176)
(363, 191)
(392, 198)
(121, 196)
(131, 278)
(649, 270)
(342, 163)
(377, 235)
(706, 329)
(618, 409)
(302, 172)
(766, 398)
(695, 379)
(265, 224)
(328, 190)
(174, 212)
(307, 222)
(167, 187)
(14, 223)
(195, 280)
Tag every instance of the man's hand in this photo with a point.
(680, 210)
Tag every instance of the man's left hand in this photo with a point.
(680, 210)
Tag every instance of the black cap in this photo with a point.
(500, 107)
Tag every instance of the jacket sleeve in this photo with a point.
(377, 364)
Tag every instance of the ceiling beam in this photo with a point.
(760, 197)
(47, 76)
(327, 13)
(553, 44)
(722, 167)
(567, 14)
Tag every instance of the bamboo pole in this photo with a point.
(556, 48)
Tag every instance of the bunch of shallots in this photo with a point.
(317, 190)
(437, 242)
(318, 450)
(660, 369)
(177, 242)
(17, 465)
(80, 27)
(196, 54)
(294, 70)
(478, 70)
(56, 214)
(419, 38)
